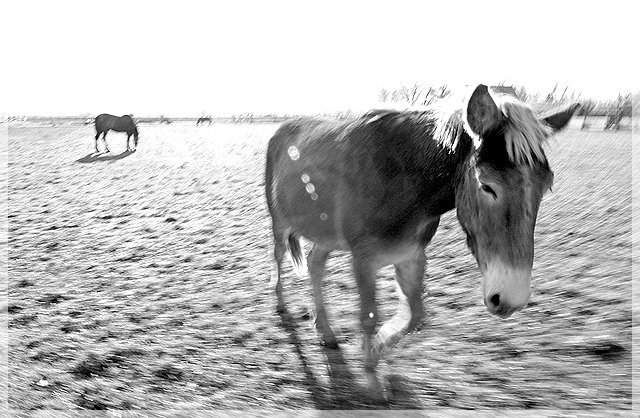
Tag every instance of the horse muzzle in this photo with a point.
(503, 310)
(506, 289)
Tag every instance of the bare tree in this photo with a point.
(396, 95)
(635, 109)
(521, 92)
(434, 94)
(383, 95)
(586, 107)
(551, 98)
(563, 94)
(409, 94)
(534, 97)
(618, 109)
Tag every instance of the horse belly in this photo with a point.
(408, 244)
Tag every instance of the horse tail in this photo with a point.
(135, 129)
(275, 148)
(135, 134)
(296, 255)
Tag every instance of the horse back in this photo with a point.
(105, 122)
(338, 182)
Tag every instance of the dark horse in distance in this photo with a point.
(106, 122)
(203, 120)
(377, 186)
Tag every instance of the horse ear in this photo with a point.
(559, 120)
(482, 113)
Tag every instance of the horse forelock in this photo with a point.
(524, 133)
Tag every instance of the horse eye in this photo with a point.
(488, 189)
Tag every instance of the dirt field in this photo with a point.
(140, 282)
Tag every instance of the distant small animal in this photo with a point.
(164, 119)
(105, 123)
(203, 120)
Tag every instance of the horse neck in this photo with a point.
(443, 170)
(464, 153)
(458, 161)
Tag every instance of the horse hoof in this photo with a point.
(331, 343)
(375, 389)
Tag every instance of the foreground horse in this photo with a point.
(378, 185)
(203, 120)
(105, 123)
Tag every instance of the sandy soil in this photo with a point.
(141, 282)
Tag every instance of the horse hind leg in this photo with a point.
(284, 242)
(104, 139)
(97, 137)
(278, 253)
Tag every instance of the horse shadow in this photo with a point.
(95, 157)
(343, 391)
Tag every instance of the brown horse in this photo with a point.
(377, 186)
(105, 123)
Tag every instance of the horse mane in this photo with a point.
(445, 125)
(524, 134)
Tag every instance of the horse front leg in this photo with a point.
(366, 274)
(409, 277)
(316, 261)
(97, 137)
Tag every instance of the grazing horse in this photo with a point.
(377, 186)
(203, 120)
(105, 122)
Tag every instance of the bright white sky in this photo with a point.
(181, 58)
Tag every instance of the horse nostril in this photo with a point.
(495, 300)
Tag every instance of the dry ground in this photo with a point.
(140, 282)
